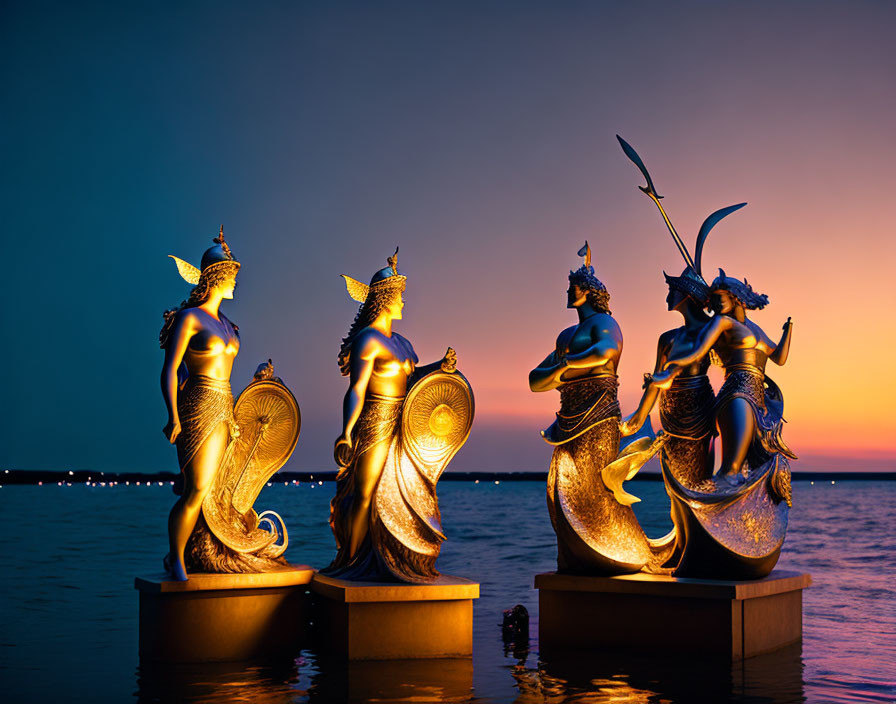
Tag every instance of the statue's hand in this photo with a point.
(449, 361)
(342, 452)
(172, 430)
(787, 324)
(629, 426)
(662, 380)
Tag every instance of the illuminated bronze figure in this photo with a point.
(212, 527)
(686, 407)
(402, 424)
(731, 525)
(597, 531)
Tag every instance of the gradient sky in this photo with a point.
(479, 136)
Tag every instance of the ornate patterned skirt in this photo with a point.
(595, 533)
(687, 414)
(202, 404)
(731, 530)
(404, 533)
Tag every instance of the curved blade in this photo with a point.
(636, 160)
(707, 225)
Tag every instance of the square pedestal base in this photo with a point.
(646, 613)
(219, 617)
(391, 621)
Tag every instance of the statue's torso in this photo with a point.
(394, 361)
(681, 342)
(213, 348)
(599, 328)
(744, 344)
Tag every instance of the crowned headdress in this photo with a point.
(584, 278)
(217, 259)
(741, 290)
(385, 280)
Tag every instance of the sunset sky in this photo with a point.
(478, 136)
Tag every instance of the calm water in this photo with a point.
(69, 610)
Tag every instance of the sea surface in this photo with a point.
(68, 608)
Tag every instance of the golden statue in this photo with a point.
(731, 525)
(597, 531)
(402, 424)
(226, 451)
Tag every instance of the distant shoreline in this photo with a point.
(82, 476)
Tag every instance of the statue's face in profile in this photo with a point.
(576, 296)
(722, 301)
(674, 299)
(395, 307)
(227, 286)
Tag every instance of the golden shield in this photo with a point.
(436, 420)
(269, 424)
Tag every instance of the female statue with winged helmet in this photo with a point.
(401, 425)
(213, 526)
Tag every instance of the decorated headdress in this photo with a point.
(217, 261)
(691, 281)
(386, 280)
(218, 264)
(584, 278)
(741, 290)
(373, 297)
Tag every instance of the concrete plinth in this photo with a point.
(219, 617)
(647, 613)
(391, 621)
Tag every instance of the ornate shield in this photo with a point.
(436, 420)
(269, 422)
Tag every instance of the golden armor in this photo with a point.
(402, 424)
(730, 525)
(597, 531)
(226, 451)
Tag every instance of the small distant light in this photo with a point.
(160, 484)
(312, 476)
(138, 483)
(58, 483)
(285, 483)
(811, 483)
(320, 483)
(68, 483)
(127, 483)
(71, 473)
(6, 471)
(833, 482)
(476, 482)
(497, 482)
(269, 484)
(40, 483)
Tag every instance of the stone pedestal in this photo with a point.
(219, 617)
(392, 621)
(652, 613)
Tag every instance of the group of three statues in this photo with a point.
(402, 424)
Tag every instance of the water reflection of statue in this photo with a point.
(401, 426)
(212, 527)
(596, 533)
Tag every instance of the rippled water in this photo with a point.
(69, 610)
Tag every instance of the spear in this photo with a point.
(655, 197)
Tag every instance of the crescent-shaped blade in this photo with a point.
(707, 225)
(636, 160)
(187, 271)
(356, 289)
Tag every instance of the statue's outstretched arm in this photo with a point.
(779, 356)
(709, 337)
(633, 423)
(183, 328)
